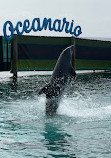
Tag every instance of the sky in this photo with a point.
(94, 16)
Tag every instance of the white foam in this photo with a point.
(5, 75)
(83, 109)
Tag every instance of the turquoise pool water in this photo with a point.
(81, 128)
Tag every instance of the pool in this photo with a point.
(81, 128)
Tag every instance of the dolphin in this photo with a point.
(62, 72)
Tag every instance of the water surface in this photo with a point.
(81, 128)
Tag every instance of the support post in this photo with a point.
(74, 52)
(15, 58)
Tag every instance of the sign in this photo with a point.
(58, 26)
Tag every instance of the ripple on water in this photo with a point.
(80, 129)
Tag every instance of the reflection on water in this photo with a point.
(56, 141)
(81, 128)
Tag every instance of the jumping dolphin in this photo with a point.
(61, 73)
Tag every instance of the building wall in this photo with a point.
(93, 54)
(41, 53)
